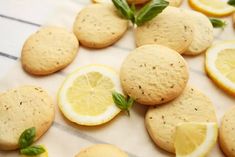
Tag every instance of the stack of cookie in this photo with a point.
(157, 76)
(187, 32)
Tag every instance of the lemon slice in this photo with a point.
(220, 65)
(195, 139)
(101, 1)
(86, 95)
(212, 7)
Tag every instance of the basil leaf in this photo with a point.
(231, 2)
(27, 137)
(129, 105)
(150, 10)
(217, 23)
(122, 102)
(32, 150)
(119, 100)
(125, 10)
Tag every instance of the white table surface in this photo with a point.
(20, 18)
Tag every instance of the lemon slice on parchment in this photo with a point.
(220, 65)
(86, 95)
(195, 139)
(212, 7)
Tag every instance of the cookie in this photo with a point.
(23, 108)
(170, 28)
(203, 33)
(99, 25)
(191, 106)
(227, 133)
(48, 50)
(153, 74)
(175, 3)
(233, 20)
(101, 150)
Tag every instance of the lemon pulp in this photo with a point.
(217, 4)
(91, 94)
(195, 139)
(225, 63)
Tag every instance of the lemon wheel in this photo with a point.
(86, 95)
(220, 65)
(217, 8)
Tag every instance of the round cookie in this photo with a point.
(175, 3)
(191, 106)
(99, 25)
(102, 150)
(48, 50)
(153, 74)
(227, 133)
(203, 33)
(23, 108)
(233, 20)
(170, 28)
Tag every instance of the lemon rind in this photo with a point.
(65, 108)
(213, 72)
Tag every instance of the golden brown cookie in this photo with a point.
(170, 28)
(22, 108)
(101, 150)
(48, 50)
(175, 3)
(191, 106)
(227, 133)
(153, 74)
(203, 33)
(233, 19)
(99, 25)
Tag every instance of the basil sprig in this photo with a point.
(26, 139)
(231, 2)
(217, 23)
(150, 10)
(122, 102)
(32, 150)
(147, 13)
(125, 10)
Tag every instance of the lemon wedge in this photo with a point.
(195, 139)
(86, 95)
(217, 8)
(220, 65)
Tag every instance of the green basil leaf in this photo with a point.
(150, 10)
(217, 23)
(119, 100)
(231, 2)
(32, 150)
(27, 137)
(130, 103)
(125, 10)
(122, 102)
